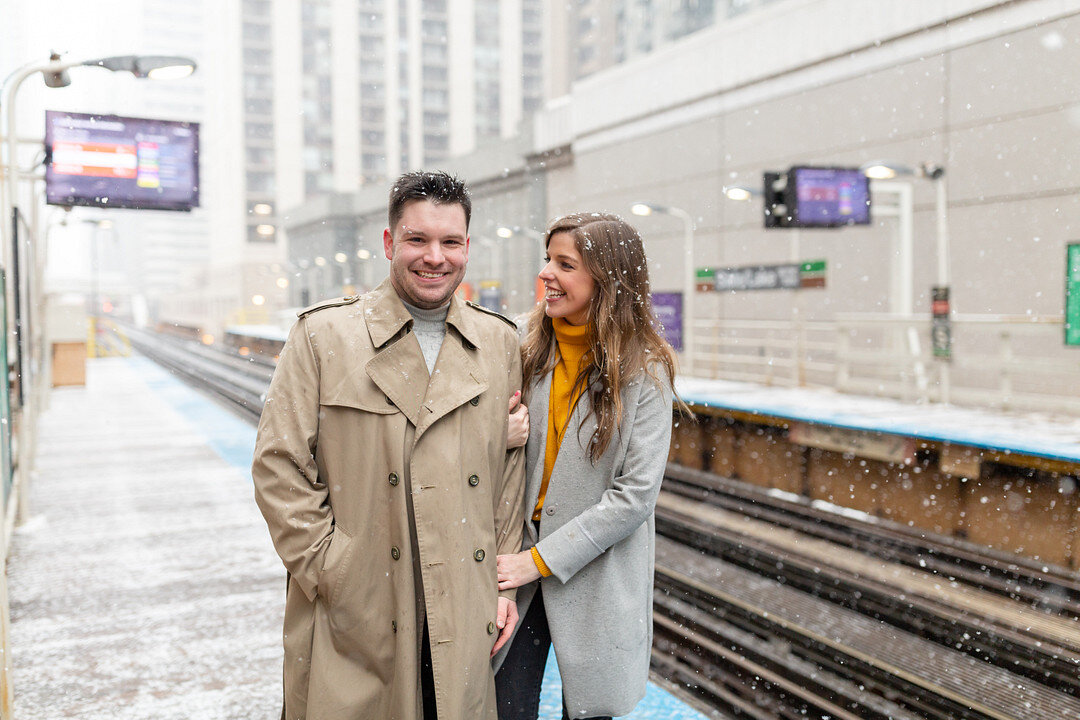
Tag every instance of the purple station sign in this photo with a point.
(668, 310)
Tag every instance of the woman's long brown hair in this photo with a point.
(623, 339)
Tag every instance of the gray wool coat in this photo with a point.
(597, 538)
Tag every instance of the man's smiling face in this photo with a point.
(428, 251)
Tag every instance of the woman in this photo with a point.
(598, 381)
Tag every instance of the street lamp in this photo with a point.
(645, 209)
(347, 279)
(886, 170)
(95, 281)
(507, 232)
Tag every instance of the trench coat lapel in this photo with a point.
(400, 372)
(398, 367)
(457, 378)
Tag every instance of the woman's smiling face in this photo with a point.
(568, 285)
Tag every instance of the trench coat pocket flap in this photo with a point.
(364, 395)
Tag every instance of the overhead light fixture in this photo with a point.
(155, 67)
(740, 192)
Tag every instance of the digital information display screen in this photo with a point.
(829, 197)
(112, 161)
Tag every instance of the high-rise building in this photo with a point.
(590, 35)
(335, 95)
(342, 94)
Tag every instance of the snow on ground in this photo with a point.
(144, 584)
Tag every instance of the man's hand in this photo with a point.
(516, 570)
(517, 431)
(506, 621)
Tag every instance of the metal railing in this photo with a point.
(998, 361)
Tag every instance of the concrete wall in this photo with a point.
(996, 104)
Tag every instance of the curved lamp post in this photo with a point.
(887, 170)
(54, 73)
(507, 232)
(645, 209)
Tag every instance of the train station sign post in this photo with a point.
(1072, 294)
(940, 324)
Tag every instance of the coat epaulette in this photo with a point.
(336, 302)
(489, 311)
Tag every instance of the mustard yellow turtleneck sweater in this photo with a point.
(573, 343)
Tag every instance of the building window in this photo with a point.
(256, 237)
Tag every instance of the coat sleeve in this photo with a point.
(631, 499)
(288, 490)
(510, 500)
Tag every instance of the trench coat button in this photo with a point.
(478, 555)
(474, 480)
(491, 628)
(389, 401)
(393, 625)
(550, 510)
(395, 553)
(475, 401)
(393, 478)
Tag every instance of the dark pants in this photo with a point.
(427, 678)
(517, 684)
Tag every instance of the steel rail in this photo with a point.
(1043, 586)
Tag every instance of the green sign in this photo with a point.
(812, 274)
(1072, 294)
(706, 279)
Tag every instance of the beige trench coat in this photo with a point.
(389, 494)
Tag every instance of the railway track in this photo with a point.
(752, 647)
(1042, 586)
(238, 382)
(1026, 642)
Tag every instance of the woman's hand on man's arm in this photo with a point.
(516, 570)
(517, 431)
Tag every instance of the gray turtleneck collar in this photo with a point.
(430, 329)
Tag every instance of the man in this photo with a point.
(381, 467)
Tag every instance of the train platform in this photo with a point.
(144, 585)
(1053, 439)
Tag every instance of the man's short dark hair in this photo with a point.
(438, 187)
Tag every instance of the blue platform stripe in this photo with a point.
(234, 440)
(658, 704)
(228, 435)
